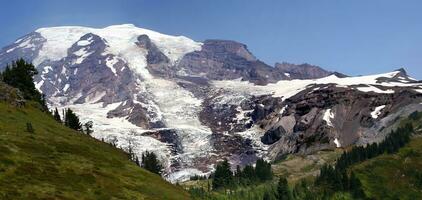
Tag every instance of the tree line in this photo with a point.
(223, 177)
(335, 178)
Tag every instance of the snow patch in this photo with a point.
(184, 175)
(242, 114)
(283, 109)
(337, 142)
(418, 90)
(328, 115)
(110, 62)
(66, 87)
(370, 88)
(39, 84)
(377, 111)
(82, 54)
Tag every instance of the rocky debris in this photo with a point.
(11, 95)
(235, 147)
(168, 136)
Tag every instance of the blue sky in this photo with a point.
(354, 37)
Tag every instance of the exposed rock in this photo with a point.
(302, 71)
(223, 59)
(11, 95)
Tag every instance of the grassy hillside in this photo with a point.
(55, 162)
(395, 176)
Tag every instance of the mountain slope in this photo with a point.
(400, 173)
(302, 71)
(195, 103)
(55, 162)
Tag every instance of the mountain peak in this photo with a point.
(302, 71)
(402, 71)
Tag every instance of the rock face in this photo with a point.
(217, 60)
(317, 119)
(196, 103)
(302, 71)
(11, 95)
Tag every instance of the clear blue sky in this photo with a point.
(353, 37)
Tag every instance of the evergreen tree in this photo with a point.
(249, 175)
(29, 127)
(283, 192)
(71, 120)
(266, 196)
(263, 170)
(137, 161)
(20, 75)
(223, 176)
(356, 187)
(151, 163)
(56, 116)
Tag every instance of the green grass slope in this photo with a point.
(55, 162)
(395, 176)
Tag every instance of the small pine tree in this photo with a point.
(71, 120)
(266, 196)
(29, 127)
(151, 163)
(283, 192)
(356, 187)
(56, 116)
(263, 170)
(137, 161)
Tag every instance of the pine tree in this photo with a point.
(29, 127)
(356, 187)
(249, 175)
(151, 163)
(71, 120)
(283, 192)
(223, 176)
(56, 116)
(266, 196)
(263, 170)
(137, 161)
(20, 75)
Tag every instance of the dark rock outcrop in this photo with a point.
(223, 59)
(302, 71)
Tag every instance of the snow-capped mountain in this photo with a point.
(195, 103)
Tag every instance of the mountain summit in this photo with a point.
(195, 103)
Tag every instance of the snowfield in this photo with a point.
(377, 111)
(120, 38)
(289, 88)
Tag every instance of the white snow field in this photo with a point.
(289, 88)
